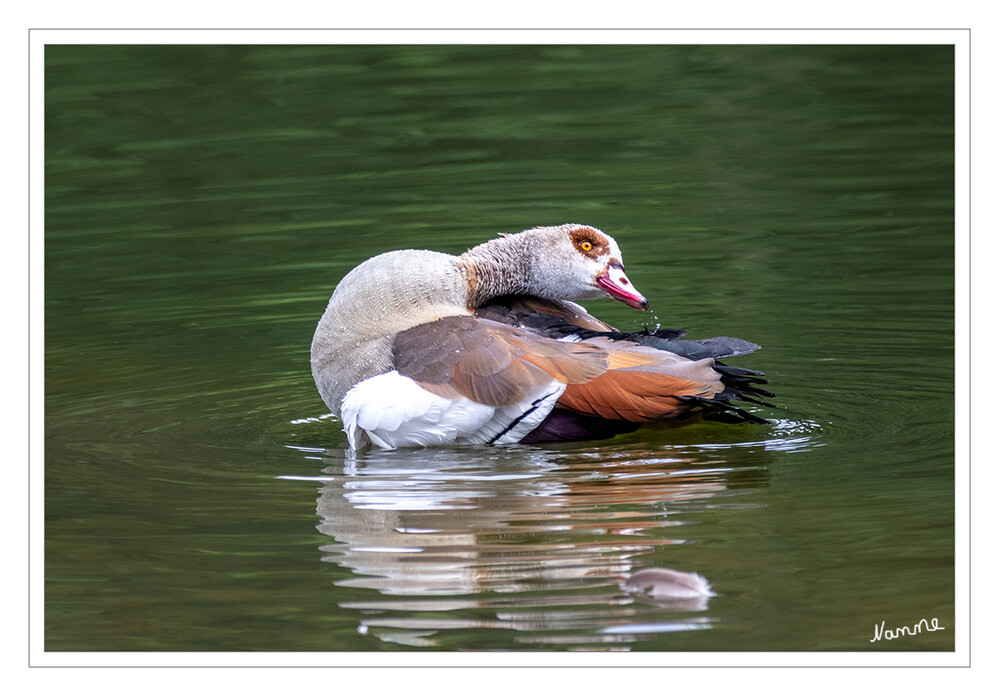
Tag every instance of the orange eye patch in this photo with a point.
(589, 241)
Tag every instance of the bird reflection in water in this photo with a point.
(537, 542)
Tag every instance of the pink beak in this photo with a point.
(616, 284)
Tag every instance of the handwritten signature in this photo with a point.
(892, 633)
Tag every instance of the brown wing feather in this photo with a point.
(497, 365)
(634, 396)
(571, 363)
(510, 310)
(489, 362)
(572, 313)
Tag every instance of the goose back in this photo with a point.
(383, 296)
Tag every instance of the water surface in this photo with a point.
(203, 201)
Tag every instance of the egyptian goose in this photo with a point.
(421, 348)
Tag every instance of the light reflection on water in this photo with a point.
(529, 540)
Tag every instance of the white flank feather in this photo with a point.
(511, 423)
(392, 411)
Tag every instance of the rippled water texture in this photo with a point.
(203, 201)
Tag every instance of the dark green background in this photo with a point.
(203, 201)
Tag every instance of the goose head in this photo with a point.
(565, 262)
(601, 265)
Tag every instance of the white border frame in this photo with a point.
(959, 38)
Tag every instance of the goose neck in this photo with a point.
(494, 269)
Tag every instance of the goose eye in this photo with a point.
(585, 246)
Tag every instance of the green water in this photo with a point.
(203, 201)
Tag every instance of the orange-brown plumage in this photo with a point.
(633, 396)
(489, 362)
